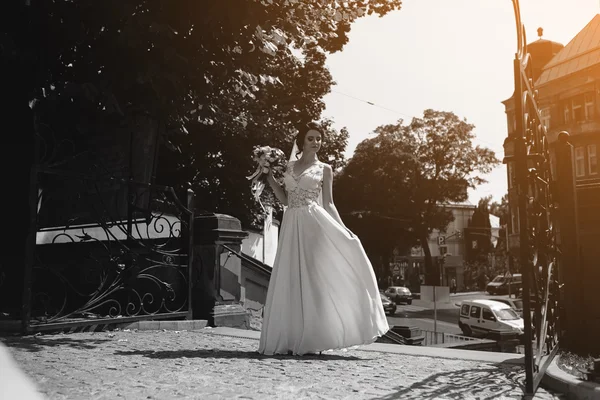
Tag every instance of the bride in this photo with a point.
(322, 293)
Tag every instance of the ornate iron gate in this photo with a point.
(102, 249)
(533, 215)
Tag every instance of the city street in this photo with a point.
(421, 313)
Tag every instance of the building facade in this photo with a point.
(447, 249)
(567, 79)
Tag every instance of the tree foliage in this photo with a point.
(484, 261)
(217, 77)
(406, 173)
(170, 59)
(502, 211)
(478, 235)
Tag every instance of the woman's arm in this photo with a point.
(277, 189)
(328, 204)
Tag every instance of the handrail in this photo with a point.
(249, 259)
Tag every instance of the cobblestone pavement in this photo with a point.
(202, 365)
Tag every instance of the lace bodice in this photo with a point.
(304, 189)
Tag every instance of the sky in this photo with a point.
(448, 55)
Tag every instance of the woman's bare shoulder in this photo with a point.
(327, 171)
(325, 165)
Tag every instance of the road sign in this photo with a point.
(396, 270)
(441, 240)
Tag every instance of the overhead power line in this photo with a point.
(372, 104)
(492, 145)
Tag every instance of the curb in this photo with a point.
(187, 325)
(417, 296)
(575, 389)
(458, 294)
(415, 351)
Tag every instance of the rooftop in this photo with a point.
(582, 52)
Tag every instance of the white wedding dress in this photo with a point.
(323, 293)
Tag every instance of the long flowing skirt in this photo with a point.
(323, 293)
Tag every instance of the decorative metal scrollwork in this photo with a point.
(113, 267)
(105, 247)
(537, 214)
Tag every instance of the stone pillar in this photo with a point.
(215, 270)
(568, 240)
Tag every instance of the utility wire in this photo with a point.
(372, 104)
(492, 145)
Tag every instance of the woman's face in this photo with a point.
(312, 141)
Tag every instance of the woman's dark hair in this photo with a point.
(302, 131)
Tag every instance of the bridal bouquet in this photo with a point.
(267, 159)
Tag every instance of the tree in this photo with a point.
(409, 172)
(483, 258)
(169, 58)
(181, 61)
(220, 73)
(503, 257)
(217, 77)
(478, 235)
(502, 211)
(478, 247)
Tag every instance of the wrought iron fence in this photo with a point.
(124, 253)
(533, 208)
(102, 249)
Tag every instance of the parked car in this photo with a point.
(515, 304)
(478, 317)
(388, 305)
(505, 284)
(399, 294)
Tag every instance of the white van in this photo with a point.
(478, 317)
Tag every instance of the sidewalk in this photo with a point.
(458, 294)
(222, 363)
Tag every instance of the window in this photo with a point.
(475, 311)
(566, 113)
(488, 315)
(577, 108)
(545, 116)
(579, 162)
(514, 219)
(592, 159)
(507, 314)
(464, 310)
(589, 106)
(512, 181)
(518, 304)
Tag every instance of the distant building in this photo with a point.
(447, 245)
(567, 79)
